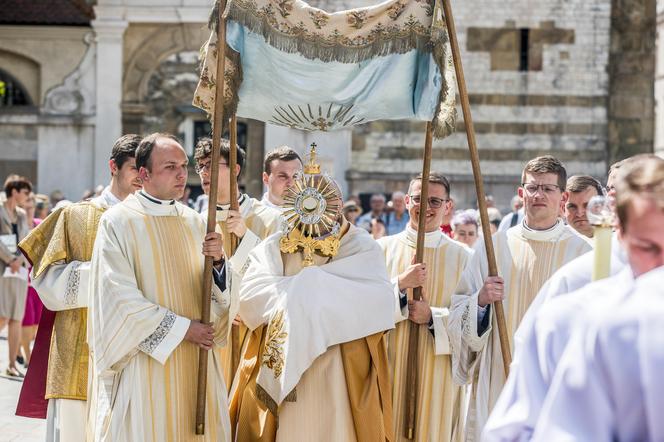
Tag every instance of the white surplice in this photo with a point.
(317, 308)
(146, 287)
(609, 384)
(541, 338)
(526, 259)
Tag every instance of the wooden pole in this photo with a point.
(217, 128)
(479, 185)
(412, 373)
(232, 164)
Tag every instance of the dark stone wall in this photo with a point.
(631, 111)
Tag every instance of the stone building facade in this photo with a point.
(574, 78)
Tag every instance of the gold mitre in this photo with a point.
(313, 207)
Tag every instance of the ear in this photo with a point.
(519, 191)
(144, 174)
(113, 166)
(238, 169)
(266, 178)
(565, 196)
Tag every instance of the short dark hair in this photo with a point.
(580, 183)
(146, 146)
(645, 178)
(434, 178)
(16, 182)
(546, 164)
(204, 150)
(281, 153)
(125, 148)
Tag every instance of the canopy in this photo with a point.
(294, 65)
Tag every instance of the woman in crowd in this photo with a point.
(464, 227)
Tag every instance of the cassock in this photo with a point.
(60, 249)
(440, 414)
(542, 337)
(261, 222)
(526, 258)
(146, 286)
(315, 365)
(609, 383)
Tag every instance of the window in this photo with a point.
(524, 50)
(12, 92)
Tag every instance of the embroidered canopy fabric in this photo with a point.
(297, 66)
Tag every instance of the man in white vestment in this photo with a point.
(146, 291)
(317, 300)
(608, 383)
(439, 415)
(527, 255)
(60, 249)
(544, 332)
(581, 188)
(280, 167)
(250, 224)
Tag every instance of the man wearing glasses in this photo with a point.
(251, 224)
(440, 416)
(527, 255)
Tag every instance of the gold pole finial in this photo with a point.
(312, 167)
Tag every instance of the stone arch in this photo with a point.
(147, 49)
(157, 45)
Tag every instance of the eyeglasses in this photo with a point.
(548, 189)
(434, 203)
(199, 168)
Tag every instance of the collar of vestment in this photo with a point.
(551, 234)
(106, 199)
(146, 203)
(432, 240)
(243, 201)
(267, 203)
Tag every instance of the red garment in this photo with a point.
(447, 229)
(33, 308)
(31, 401)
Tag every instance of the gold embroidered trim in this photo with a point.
(273, 354)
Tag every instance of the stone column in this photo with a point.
(632, 78)
(109, 34)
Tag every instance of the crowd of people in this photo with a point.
(312, 332)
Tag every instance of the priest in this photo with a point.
(440, 402)
(146, 289)
(60, 249)
(317, 300)
(527, 255)
(252, 223)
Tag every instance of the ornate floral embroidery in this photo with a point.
(71, 292)
(273, 356)
(319, 18)
(151, 342)
(356, 18)
(285, 7)
(395, 10)
(465, 322)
